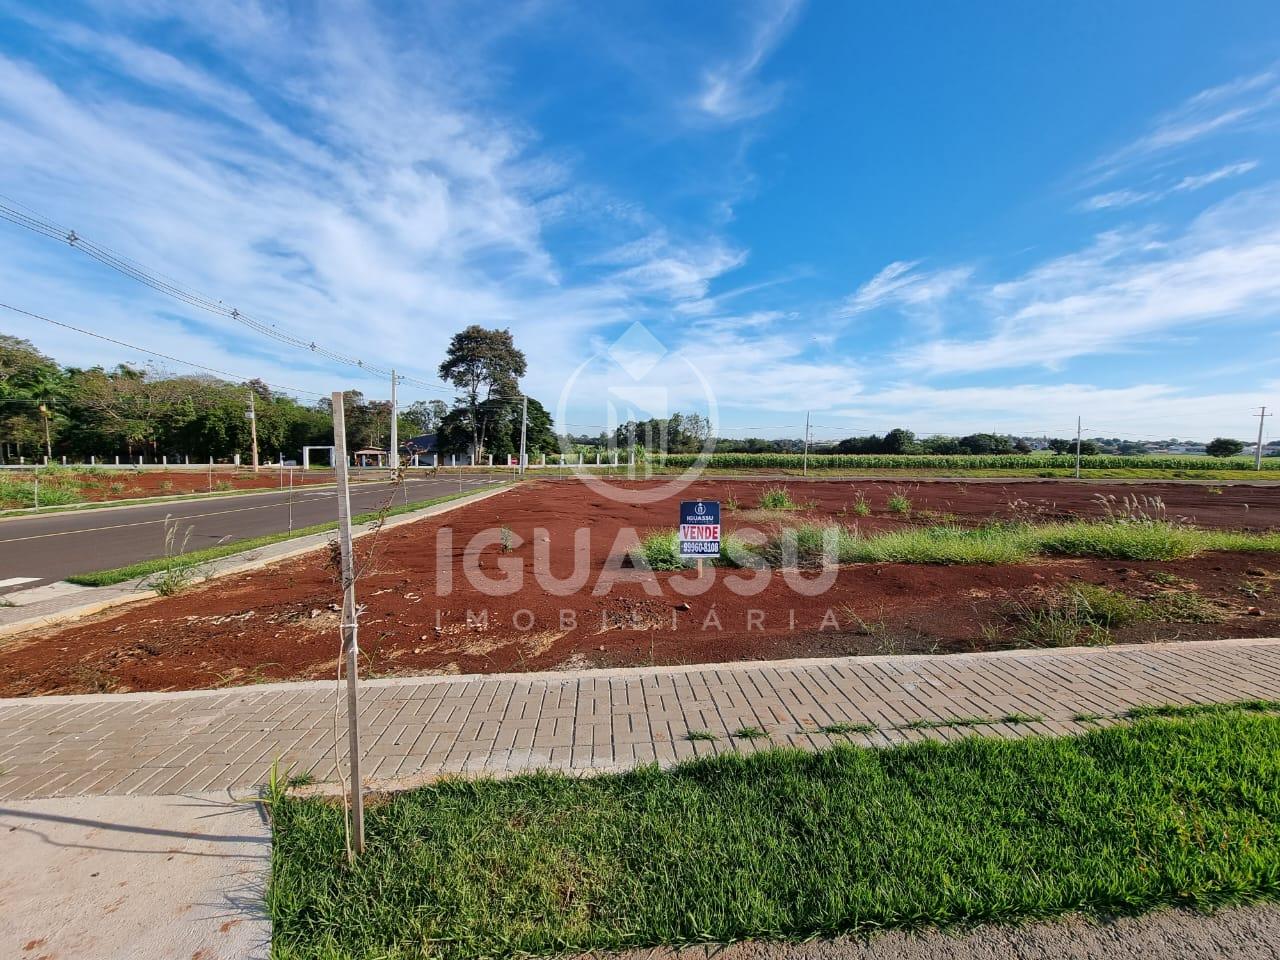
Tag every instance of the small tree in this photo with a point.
(1223, 447)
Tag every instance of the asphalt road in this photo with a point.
(38, 550)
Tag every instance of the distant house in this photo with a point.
(423, 443)
(370, 457)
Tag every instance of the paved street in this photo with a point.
(40, 549)
(417, 728)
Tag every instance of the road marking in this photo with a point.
(15, 581)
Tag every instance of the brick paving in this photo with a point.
(414, 729)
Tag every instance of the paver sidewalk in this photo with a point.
(414, 729)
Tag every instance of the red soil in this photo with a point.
(127, 484)
(280, 623)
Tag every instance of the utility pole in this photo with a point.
(1257, 454)
(48, 444)
(806, 443)
(1077, 448)
(524, 429)
(253, 428)
(350, 645)
(394, 460)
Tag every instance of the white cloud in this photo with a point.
(900, 283)
(1197, 181)
(1125, 290)
(731, 91)
(343, 182)
(1143, 411)
(1217, 110)
(1192, 182)
(1117, 198)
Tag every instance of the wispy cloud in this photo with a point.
(732, 91)
(1196, 181)
(1141, 411)
(1125, 289)
(347, 187)
(901, 284)
(1191, 182)
(1217, 110)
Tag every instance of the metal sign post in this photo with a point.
(350, 646)
(699, 530)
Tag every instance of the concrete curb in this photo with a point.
(252, 559)
(900, 660)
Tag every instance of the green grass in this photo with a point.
(694, 736)
(749, 733)
(1202, 709)
(899, 503)
(167, 565)
(1017, 543)
(843, 729)
(1085, 614)
(806, 544)
(1021, 718)
(792, 845)
(777, 498)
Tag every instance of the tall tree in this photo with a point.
(486, 366)
(423, 416)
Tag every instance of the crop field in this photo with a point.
(1030, 462)
(560, 574)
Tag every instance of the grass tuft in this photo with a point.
(777, 498)
(843, 729)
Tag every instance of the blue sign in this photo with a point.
(699, 528)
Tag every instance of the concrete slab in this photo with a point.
(100, 878)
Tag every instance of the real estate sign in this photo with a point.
(699, 528)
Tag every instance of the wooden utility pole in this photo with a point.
(350, 645)
(524, 428)
(253, 429)
(806, 443)
(48, 444)
(1077, 448)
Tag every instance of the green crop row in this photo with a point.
(957, 461)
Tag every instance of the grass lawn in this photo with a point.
(783, 844)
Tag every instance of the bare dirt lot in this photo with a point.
(425, 617)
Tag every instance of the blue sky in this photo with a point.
(951, 217)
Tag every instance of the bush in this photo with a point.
(1223, 447)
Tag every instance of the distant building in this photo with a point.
(423, 443)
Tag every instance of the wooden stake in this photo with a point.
(350, 645)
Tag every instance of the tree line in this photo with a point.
(48, 409)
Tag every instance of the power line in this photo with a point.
(171, 288)
(154, 353)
